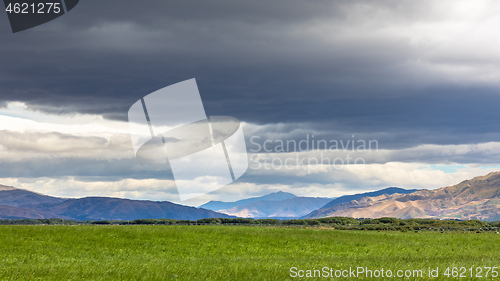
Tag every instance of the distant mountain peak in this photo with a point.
(279, 195)
(6, 187)
(220, 205)
(392, 188)
(295, 207)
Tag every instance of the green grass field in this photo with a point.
(98, 252)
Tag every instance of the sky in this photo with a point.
(420, 79)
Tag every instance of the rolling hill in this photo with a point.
(477, 198)
(19, 203)
(325, 210)
(105, 208)
(11, 196)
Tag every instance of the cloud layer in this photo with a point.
(71, 156)
(360, 66)
(419, 78)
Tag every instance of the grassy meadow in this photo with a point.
(176, 252)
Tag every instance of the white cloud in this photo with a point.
(70, 187)
(29, 136)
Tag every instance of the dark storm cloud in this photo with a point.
(331, 64)
(77, 167)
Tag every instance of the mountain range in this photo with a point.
(281, 205)
(477, 198)
(20, 204)
(326, 209)
(219, 205)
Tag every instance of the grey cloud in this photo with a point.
(329, 63)
(21, 145)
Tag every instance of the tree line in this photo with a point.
(346, 223)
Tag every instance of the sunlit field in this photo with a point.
(152, 252)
